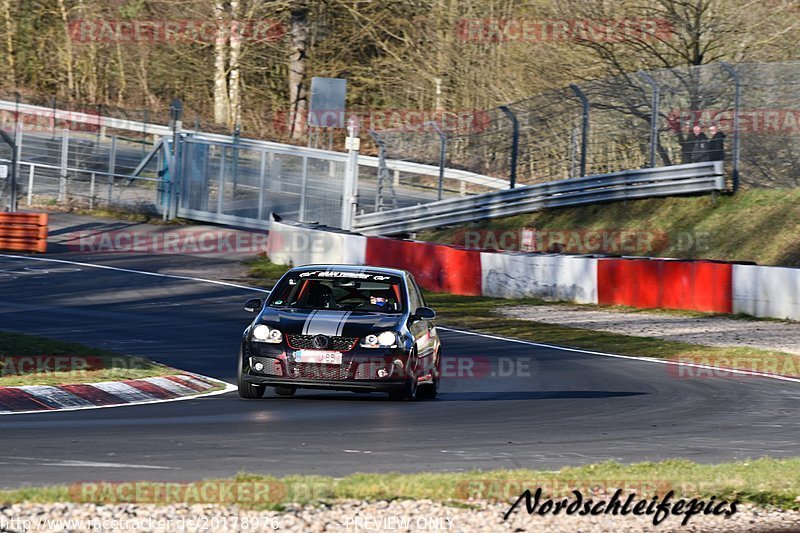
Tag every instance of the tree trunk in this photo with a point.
(298, 32)
(234, 80)
(10, 31)
(221, 104)
(62, 8)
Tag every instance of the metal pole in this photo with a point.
(654, 110)
(91, 192)
(443, 158)
(585, 125)
(514, 144)
(112, 155)
(15, 159)
(262, 185)
(736, 101)
(350, 197)
(381, 168)
(176, 114)
(30, 185)
(303, 184)
(62, 180)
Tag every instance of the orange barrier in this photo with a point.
(653, 283)
(23, 232)
(436, 267)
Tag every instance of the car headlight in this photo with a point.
(262, 333)
(387, 339)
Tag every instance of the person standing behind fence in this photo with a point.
(716, 145)
(687, 146)
(700, 147)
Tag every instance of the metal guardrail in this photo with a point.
(628, 184)
(287, 149)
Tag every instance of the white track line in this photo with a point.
(464, 332)
(131, 271)
(630, 357)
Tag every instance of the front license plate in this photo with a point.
(318, 356)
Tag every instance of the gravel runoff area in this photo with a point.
(709, 331)
(398, 515)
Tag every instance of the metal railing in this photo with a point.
(691, 178)
(638, 120)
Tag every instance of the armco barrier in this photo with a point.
(656, 283)
(436, 267)
(300, 245)
(23, 232)
(549, 277)
(766, 291)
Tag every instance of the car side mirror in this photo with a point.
(253, 305)
(424, 313)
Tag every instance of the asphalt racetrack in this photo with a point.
(521, 406)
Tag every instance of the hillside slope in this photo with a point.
(754, 225)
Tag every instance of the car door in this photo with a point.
(422, 329)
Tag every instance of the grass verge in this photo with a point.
(32, 360)
(762, 482)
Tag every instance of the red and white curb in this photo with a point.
(44, 398)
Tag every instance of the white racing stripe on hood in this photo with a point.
(323, 322)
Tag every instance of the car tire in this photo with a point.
(283, 390)
(409, 390)
(248, 391)
(429, 391)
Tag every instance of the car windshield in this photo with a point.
(339, 291)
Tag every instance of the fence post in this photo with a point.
(30, 184)
(654, 110)
(62, 180)
(112, 155)
(350, 196)
(736, 101)
(514, 145)
(381, 144)
(442, 156)
(584, 124)
(262, 185)
(303, 185)
(91, 192)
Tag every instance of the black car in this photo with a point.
(338, 327)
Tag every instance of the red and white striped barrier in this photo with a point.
(709, 286)
(34, 398)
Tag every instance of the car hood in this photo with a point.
(332, 323)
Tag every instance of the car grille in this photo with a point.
(272, 367)
(337, 344)
(317, 371)
(369, 370)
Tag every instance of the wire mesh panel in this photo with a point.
(226, 182)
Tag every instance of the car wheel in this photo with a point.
(409, 390)
(429, 391)
(285, 391)
(248, 390)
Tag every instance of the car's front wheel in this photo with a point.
(409, 390)
(429, 390)
(247, 390)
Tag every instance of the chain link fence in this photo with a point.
(748, 115)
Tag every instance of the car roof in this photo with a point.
(352, 268)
